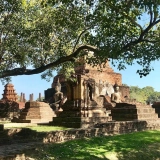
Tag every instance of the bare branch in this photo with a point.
(151, 15)
(148, 28)
(155, 15)
(140, 39)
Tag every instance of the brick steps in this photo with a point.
(125, 112)
(144, 116)
(95, 113)
(135, 111)
(81, 117)
(36, 112)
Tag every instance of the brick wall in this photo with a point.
(109, 128)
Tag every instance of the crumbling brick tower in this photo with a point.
(9, 92)
(85, 97)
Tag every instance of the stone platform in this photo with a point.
(129, 112)
(16, 151)
(78, 116)
(35, 112)
(78, 122)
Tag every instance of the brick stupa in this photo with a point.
(36, 112)
(9, 106)
(9, 93)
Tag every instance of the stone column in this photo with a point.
(40, 97)
(24, 100)
(30, 97)
(21, 97)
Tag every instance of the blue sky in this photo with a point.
(34, 84)
(130, 77)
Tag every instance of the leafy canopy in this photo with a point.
(39, 36)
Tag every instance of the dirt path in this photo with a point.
(13, 150)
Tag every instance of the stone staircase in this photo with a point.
(79, 116)
(129, 112)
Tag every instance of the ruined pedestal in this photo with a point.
(76, 115)
(129, 112)
(36, 112)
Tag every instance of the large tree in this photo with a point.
(43, 35)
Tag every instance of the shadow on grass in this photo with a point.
(139, 146)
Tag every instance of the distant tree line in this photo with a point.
(144, 95)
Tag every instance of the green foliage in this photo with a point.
(42, 35)
(144, 95)
(154, 97)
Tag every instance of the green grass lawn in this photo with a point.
(44, 128)
(39, 128)
(134, 146)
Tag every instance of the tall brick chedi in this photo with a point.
(9, 92)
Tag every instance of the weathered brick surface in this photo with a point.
(12, 139)
(84, 72)
(107, 128)
(110, 77)
(36, 112)
(84, 98)
(124, 91)
(124, 111)
(106, 74)
(9, 92)
(80, 116)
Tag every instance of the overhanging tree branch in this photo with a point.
(24, 71)
(140, 39)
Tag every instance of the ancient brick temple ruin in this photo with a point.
(87, 97)
(87, 76)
